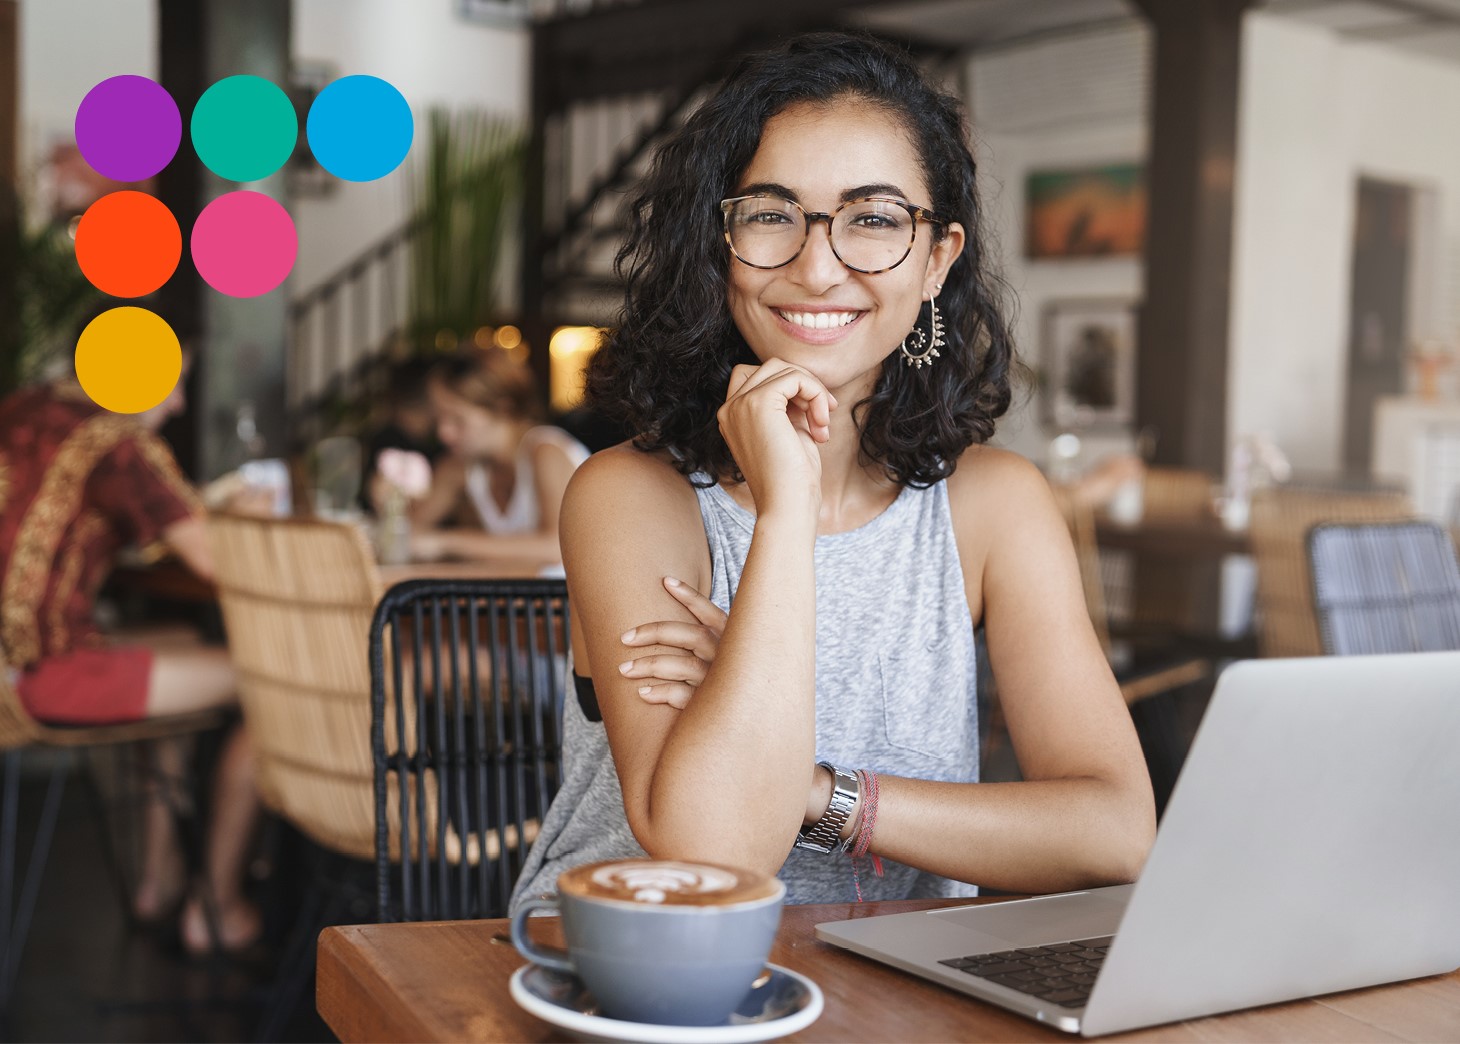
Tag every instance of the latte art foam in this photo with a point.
(655, 882)
(663, 882)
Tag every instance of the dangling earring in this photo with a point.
(921, 351)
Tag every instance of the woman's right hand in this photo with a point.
(773, 419)
(673, 677)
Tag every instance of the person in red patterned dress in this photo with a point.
(77, 484)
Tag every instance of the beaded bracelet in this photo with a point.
(859, 843)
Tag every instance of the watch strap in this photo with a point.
(825, 834)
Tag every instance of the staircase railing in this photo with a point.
(345, 330)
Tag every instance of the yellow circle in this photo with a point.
(128, 359)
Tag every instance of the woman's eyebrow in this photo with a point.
(773, 188)
(879, 189)
(769, 188)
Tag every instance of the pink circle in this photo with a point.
(244, 244)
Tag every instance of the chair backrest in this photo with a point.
(1281, 518)
(297, 598)
(1176, 493)
(1385, 587)
(468, 680)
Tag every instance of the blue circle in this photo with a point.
(359, 128)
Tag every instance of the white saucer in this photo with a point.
(778, 1006)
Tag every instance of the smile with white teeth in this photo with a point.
(818, 320)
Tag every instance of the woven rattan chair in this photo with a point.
(297, 598)
(468, 682)
(19, 731)
(1281, 519)
(1385, 587)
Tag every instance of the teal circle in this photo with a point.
(360, 128)
(244, 128)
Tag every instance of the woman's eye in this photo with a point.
(876, 222)
(768, 217)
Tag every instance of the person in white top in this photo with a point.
(510, 468)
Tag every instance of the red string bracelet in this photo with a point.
(862, 840)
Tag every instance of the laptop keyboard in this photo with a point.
(1061, 973)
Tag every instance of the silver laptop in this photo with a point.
(1312, 844)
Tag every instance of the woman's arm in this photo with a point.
(1084, 814)
(727, 778)
(551, 470)
(448, 479)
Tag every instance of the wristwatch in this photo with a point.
(825, 834)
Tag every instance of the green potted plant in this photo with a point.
(462, 196)
(50, 295)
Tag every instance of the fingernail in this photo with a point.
(626, 666)
(670, 581)
(644, 690)
(629, 634)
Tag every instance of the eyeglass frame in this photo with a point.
(811, 217)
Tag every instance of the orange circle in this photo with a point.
(128, 244)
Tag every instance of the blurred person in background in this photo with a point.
(409, 423)
(508, 467)
(78, 484)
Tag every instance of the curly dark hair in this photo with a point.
(662, 372)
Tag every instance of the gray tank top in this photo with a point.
(896, 692)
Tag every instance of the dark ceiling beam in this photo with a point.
(667, 43)
(1182, 357)
(9, 89)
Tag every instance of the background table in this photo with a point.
(448, 981)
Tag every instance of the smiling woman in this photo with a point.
(775, 586)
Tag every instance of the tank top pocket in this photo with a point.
(927, 721)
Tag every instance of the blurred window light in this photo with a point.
(569, 351)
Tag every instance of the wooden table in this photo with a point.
(448, 981)
(1196, 537)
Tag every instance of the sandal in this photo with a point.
(240, 927)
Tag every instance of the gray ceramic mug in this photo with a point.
(660, 941)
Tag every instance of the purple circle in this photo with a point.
(128, 128)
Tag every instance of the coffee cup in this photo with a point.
(660, 941)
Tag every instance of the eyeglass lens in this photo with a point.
(867, 234)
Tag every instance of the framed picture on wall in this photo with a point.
(1088, 363)
(1085, 212)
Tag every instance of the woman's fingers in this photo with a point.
(792, 382)
(665, 667)
(692, 638)
(705, 611)
(676, 694)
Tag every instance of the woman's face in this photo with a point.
(838, 324)
(467, 430)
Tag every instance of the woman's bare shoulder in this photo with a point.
(624, 472)
(997, 480)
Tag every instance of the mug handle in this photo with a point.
(547, 956)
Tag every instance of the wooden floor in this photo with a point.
(87, 976)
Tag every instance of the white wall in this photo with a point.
(66, 48)
(1061, 103)
(1318, 112)
(433, 58)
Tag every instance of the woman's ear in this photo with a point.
(945, 252)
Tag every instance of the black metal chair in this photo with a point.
(467, 686)
(1385, 587)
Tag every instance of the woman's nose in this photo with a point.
(817, 267)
